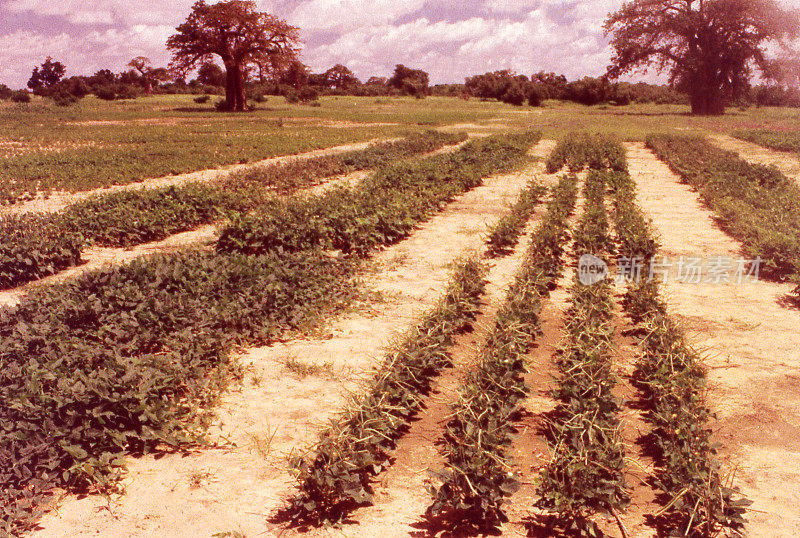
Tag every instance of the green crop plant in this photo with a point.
(757, 205)
(476, 478)
(334, 477)
(671, 379)
(578, 150)
(34, 246)
(382, 209)
(586, 473)
(503, 236)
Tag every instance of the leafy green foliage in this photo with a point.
(476, 480)
(587, 471)
(288, 177)
(128, 218)
(505, 233)
(777, 140)
(127, 359)
(672, 381)
(382, 209)
(32, 247)
(757, 205)
(580, 149)
(334, 477)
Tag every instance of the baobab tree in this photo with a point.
(241, 36)
(150, 75)
(710, 48)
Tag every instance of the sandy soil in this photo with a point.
(787, 163)
(236, 486)
(58, 201)
(750, 339)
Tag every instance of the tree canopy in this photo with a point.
(242, 37)
(409, 81)
(47, 76)
(710, 47)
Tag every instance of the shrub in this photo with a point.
(128, 91)
(105, 93)
(307, 94)
(64, 99)
(514, 95)
(535, 95)
(21, 96)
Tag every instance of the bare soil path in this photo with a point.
(787, 163)
(278, 409)
(58, 201)
(751, 343)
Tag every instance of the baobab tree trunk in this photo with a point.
(234, 87)
(707, 101)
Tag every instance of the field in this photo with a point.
(372, 317)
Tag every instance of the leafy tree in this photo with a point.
(710, 47)
(296, 74)
(149, 76)
(241, 36)
(48, 75)
(211, 74)
(104, 77)
(340, 76)
(409, 81)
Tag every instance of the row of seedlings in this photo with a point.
(476, 478)
(586, 473)
(34, 246)
(334, 477)
(672, 381)
(580, 149)
(382, 210)
(125, 359)
(505, 234)
(757, 205)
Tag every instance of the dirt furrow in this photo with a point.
(401, 495)
(289, 392)
(748, 332)
(787, 163)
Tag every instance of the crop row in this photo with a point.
(672, 381)
(125, 359)
(35, 246)
(586, 473)
(335, 477)
(381, 210)
(580, 149)
(505, 234)
(757, 205)
(476, 478)
(778, 140)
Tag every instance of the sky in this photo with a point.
(450, 39)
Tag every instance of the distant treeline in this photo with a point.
(298, 84)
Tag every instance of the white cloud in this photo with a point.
(448, 38)
(350, 14)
